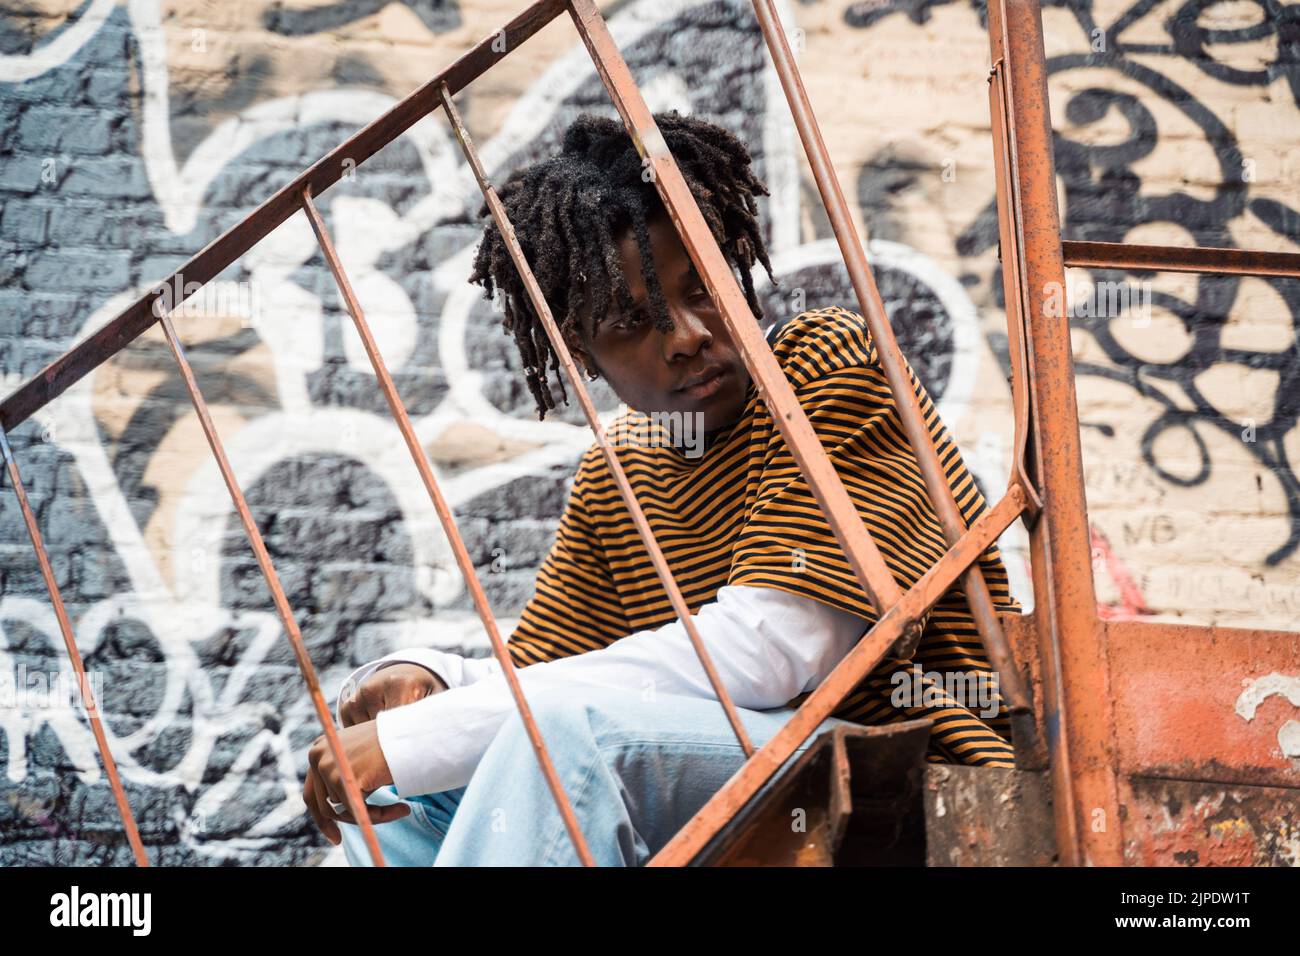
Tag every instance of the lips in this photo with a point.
(699, 379)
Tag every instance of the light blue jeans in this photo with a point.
(636, 771)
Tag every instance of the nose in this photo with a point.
(688, 334)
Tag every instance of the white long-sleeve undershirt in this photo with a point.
(768, 646)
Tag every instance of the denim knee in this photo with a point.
(559, 712)
(589, 711)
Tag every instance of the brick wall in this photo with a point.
(131, 134)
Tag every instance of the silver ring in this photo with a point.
(337, 807)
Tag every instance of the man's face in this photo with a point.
(693, 368)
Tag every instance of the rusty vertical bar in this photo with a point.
(892, 362)
(1079, 711)
(805, 445)
(1012, 283)
(74, 655)
(1031, 754)
(639, 519)
(1013, 286)
(352, 792)
(448, 520)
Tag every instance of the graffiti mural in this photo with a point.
(133, 133)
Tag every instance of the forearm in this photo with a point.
(766, 645)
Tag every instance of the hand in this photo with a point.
(389, 687)
(325, 783)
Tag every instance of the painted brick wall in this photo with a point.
(133, 133)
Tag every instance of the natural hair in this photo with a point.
(568, 210)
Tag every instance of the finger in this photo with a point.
(415, 692)
(348, 712)
(378, 814)
(385, 814)
(335, 794)
(330, 827)
(354, 711)
(327, 816)
(406, 692)
(309, 798)
(386, 696)
(370, 701)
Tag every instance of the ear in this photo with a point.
(589, 366)
(586, 362)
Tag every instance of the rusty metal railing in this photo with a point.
(1045, 484)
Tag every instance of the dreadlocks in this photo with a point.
(567, 212)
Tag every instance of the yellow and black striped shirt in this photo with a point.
(743, 513)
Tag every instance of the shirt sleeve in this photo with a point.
(574, 607)
(767, 646)
(786, 542)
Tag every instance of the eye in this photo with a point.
(630, 322)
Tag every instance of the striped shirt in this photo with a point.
(742, 513)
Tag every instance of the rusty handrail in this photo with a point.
(851, 669)
(1079, 712)
(205, 265)
(1200, 259)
